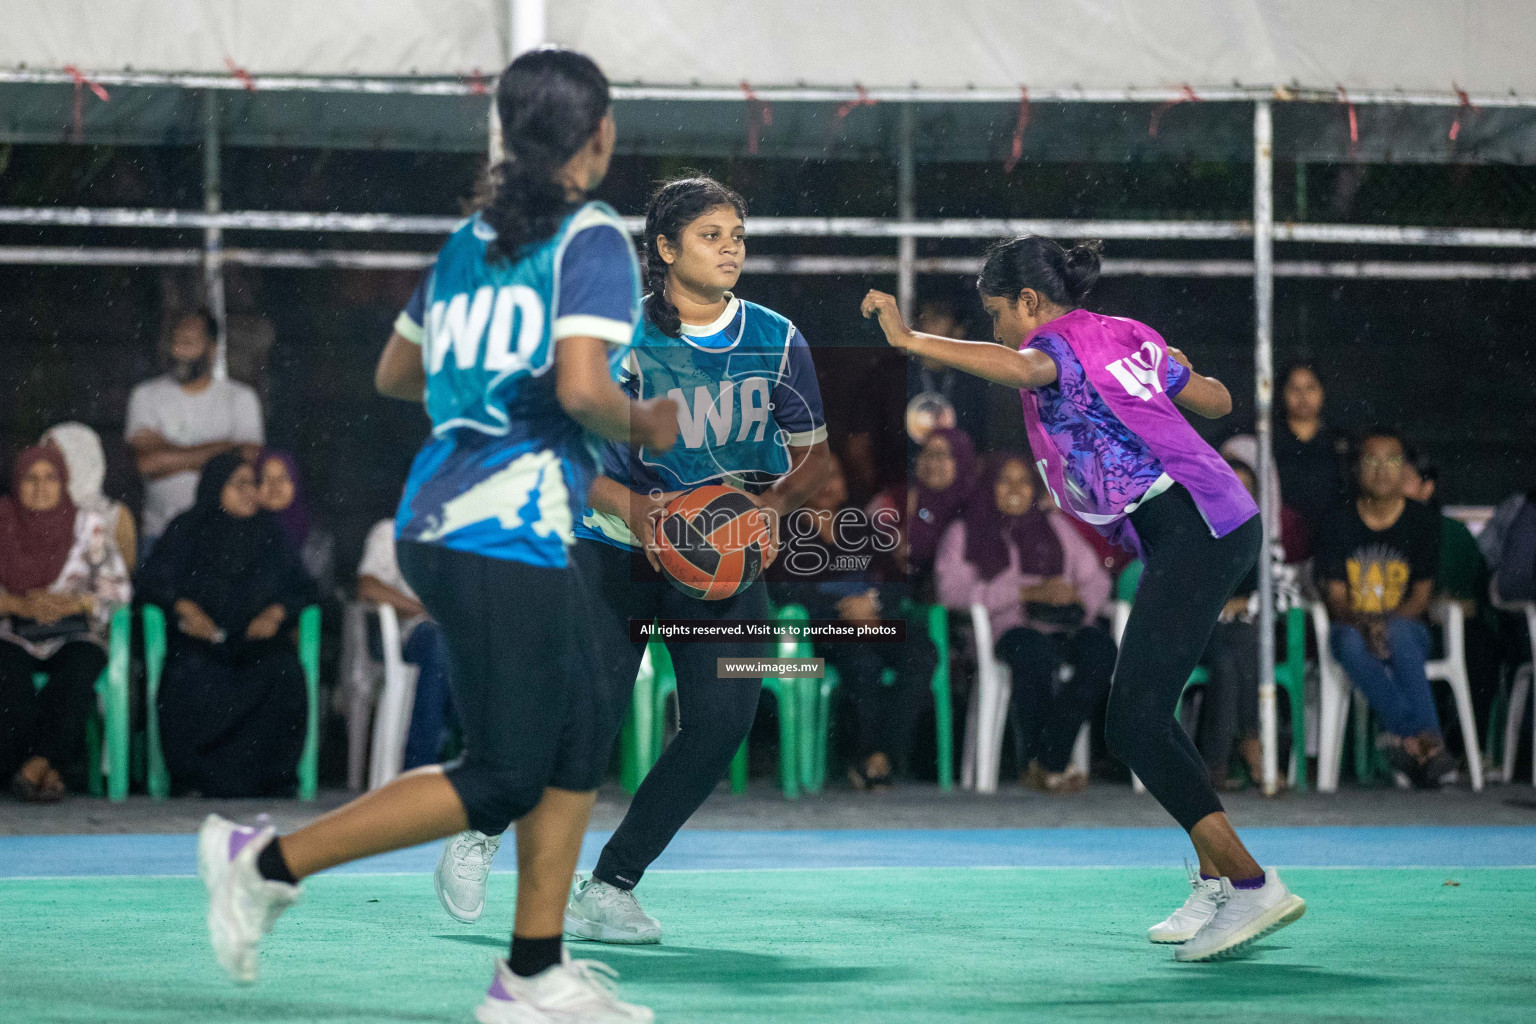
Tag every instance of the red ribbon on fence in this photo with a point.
(81, 81)
(1466, 105)
(1157, 114)
(844, 109)
(1016, 149)
(759, 116)
(477, 84)
(1354, 122)
(241, 75)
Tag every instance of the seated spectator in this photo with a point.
(1376, 565)
(278, 490)
(232, 701)
(379, 582)
(943, 475)
(964, 395)
(1284, 522)
(1508, 544)
(1229, 708)
(1462, 577)
(1309, 455)
(87, 465)
(178, 421)
(815, 570)
(61, 578)
(1043, 587)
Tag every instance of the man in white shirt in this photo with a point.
(180, 420)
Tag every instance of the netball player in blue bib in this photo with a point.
(749, 415)
(511, 340)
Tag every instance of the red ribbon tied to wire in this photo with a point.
(477, 84)
(1187, 96)
(81, 81)
(241, 75)
(1354, 121)
(1466, 105)
(1016, 149)
(861, 100)
(759, 116)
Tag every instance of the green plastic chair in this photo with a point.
(1290, 674)
(110, 727)
(818, 733)
(158, 779)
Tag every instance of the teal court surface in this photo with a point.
(840, 926)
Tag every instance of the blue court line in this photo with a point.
(699, 850)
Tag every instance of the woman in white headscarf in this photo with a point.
(87, 464)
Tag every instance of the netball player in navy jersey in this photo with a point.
(749, 415)
(539, 281)
(1099, 396)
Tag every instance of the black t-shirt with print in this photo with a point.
(1380, 566)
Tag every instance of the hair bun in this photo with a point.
(1080, 268)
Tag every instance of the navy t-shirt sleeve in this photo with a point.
(595, 297)
(797, 397)
(411, 319)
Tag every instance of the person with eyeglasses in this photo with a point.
(1376, 565)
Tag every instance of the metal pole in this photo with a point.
(213, 237)
(906, 209)
(1263, 373)
(529, 27)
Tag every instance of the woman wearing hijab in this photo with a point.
(87, 465)
(61, 578)
(1042, 586)
(944, 475)
(277, 481)
(232, 701)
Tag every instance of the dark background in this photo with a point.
(1450, 362)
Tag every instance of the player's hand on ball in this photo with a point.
(882, 306)
(645, 515)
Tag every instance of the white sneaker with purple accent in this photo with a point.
(242, 906)
(1181, 926)
(1243, 916)
(571, 992)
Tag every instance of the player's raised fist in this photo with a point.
(882, 306)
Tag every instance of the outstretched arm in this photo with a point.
(1205, 396)
(996, 363)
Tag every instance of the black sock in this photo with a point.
(530, 956)
(272, 866)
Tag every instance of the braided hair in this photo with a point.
(550, 101)
(675, 205)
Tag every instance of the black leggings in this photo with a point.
(714, 715)
(50, 722)
(1188, 577)
(521, 685)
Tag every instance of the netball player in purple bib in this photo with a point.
(1100, 396)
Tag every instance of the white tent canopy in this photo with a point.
(1416, 46)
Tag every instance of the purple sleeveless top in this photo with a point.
(1108, 429)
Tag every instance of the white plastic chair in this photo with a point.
(986, 719)
(380, 693)
(1335, 692)
(1519, 693)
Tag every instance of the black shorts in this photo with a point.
(523, 688)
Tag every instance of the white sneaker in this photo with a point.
(571, 992)
(1244, 915)
(605, 913)
(242, 906)
(1182, 924)
(461, 874)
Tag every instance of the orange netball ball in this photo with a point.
(714, 541)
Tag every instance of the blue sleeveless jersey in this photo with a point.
(746, 392)
(506, 470)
